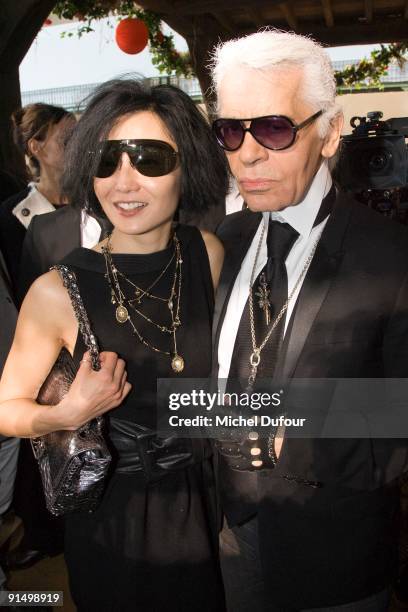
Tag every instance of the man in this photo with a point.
(311, 522)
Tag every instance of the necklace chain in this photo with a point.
(173, 301)
(141, 293)
(255, 357)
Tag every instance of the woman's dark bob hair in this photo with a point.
(204, 170)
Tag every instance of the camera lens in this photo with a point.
(379, 160)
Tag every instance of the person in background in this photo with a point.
(39, 132)
(8, 445)
(52, 236)
(10, 185)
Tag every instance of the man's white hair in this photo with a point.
(272, 49)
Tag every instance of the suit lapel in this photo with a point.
(316, 285)
(236, 248)
(68, 230)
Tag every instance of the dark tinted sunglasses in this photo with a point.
(149, 157)
(275, 132)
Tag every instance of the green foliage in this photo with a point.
(370, 71)
(167, 59)
(164, 54)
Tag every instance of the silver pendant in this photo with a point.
(254, 361)
(122, 314)
(177, 363)
(263, 298)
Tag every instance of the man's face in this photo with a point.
(272, 180)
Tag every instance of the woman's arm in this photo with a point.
(46, 324)
(215, 252)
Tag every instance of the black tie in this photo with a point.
(270, 289)
(280, 239)
(235, 450)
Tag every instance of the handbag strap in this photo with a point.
(70, 283)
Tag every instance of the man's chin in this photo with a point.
(264, 204)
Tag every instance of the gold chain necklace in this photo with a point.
(173, 301)
(141, 293)
(255, 357)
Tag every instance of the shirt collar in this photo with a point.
(301, 217)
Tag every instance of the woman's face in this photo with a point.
(134, 203)
(50, 151)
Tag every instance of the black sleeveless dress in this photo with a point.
(149, 546)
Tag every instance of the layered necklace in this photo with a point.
(255, 357)
(171, 303)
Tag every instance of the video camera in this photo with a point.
(374, 155)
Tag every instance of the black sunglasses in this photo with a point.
(149, 157)
(275, 132)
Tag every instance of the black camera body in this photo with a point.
(374, 155)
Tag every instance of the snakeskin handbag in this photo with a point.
(73, 464)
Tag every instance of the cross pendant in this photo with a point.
(263, 298)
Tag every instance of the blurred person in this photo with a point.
(50, 237)
(138, 154)
(39, 132)
(8, 445)
(311, 523)
(9, 185)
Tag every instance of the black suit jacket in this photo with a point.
(49, 238)
(8, 315)
(336, 543)
(12, 234)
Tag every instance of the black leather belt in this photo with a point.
(141, 449)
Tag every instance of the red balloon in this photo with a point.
(132, 35)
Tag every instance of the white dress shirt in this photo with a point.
(90, 231)
(301, 217)
(234, 200)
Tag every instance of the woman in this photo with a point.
(139, 154)
(39, 132)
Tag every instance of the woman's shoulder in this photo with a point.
(47, 287)
(212, 243)
(208, 246)
(48, 298)
(191, 233)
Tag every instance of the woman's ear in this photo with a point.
(331, 142)
(34, 147)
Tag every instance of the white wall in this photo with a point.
(391, 103)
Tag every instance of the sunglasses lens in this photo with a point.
(153, 160)
(273, 132)
(229, 133)
(109, 158)
(150, 159)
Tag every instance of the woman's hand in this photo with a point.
(92, 392)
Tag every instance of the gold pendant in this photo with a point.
(177, 363)
(122, 314)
